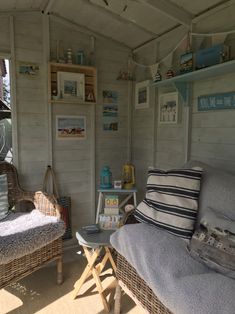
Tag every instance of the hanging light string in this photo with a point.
(175, 48)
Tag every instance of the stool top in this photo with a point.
(94, 240)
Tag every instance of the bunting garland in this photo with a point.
(218, 38)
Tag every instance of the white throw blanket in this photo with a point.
(183, 284)
(24, 233)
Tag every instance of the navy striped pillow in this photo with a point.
(171, 200)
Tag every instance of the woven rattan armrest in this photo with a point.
(42, 201)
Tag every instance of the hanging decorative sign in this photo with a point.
(216, 101)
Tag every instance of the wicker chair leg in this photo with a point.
(117, 304)
(59, 271)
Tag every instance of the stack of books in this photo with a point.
(110, 219)
(111, 203)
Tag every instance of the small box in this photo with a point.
(111, 201)
(186, 62)
(111, 210)
(211, 56)
(117, 184)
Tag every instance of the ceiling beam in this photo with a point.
(213, 9)
(119, 18)
(170, 10)
(85, 30)
(158, 38)
(48, 6)
(18, 12)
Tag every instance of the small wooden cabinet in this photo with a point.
(90, 82)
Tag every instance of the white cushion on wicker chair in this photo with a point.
(24, 233)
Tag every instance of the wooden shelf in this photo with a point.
(71, 101)
(89, 72)
(218, 69)
(182, 82)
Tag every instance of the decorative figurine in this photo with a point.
(80, 57)
(69, 56)
(157, 77)
(170, 73)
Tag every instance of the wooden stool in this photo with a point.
(92, 245)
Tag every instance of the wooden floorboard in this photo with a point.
(39, 293)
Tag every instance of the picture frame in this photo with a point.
(186, 62)
(71, 85)
(70, 127)
(142, 94)
(168, 108)
(28, 69)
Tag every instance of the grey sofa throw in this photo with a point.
(213, 243)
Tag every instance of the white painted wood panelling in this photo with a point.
(213, 139)
(73, 160)
(30, 95)
(5, 34)
(21, 5)
(111, 147)
(211, 134)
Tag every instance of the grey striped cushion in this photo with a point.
(3, 196)
(171, 200)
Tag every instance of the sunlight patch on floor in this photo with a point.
(9, 302)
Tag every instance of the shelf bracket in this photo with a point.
(184, 90)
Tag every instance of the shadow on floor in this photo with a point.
(40, 293)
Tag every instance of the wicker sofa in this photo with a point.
(25, 265)
(135, 269)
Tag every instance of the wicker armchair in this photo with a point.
(21, 267)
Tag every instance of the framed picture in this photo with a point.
(186, 62)
(168, 108)
(29, 69)
(142, 95)
(71, 85)
(70, 127)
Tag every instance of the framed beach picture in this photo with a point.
(168, 108)
(142, 94)
(71, 85)
(29, 69)
(70, 127)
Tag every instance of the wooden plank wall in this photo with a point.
(77, 163)
(211, 133)
(30, 101)
(5, 34)
(155, 145)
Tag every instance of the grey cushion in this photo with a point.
(213, 243)
(217, 190)
(3, 196)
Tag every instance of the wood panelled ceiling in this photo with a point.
(130, 22)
